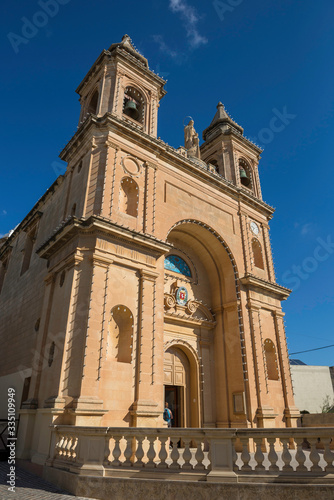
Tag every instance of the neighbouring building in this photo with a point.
(312, 386)
(144, 274)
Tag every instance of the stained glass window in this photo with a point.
(178, 265)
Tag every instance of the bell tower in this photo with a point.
(234, 157)
(121, 83)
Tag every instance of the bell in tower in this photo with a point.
(244, 179)
(131, 110)
(121, 83)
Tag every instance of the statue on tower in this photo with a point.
(191, 140)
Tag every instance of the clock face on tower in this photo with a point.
(254, 228)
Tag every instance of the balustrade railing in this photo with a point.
(216, 454)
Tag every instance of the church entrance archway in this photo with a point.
(180, 384)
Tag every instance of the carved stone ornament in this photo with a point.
(181, 296)
(170, 301)
(191, 140)
(192, 306)
(131, 166)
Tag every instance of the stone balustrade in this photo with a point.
(288, 454)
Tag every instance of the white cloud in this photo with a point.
(190, 18)
(164, 47)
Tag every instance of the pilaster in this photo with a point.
(145, 408)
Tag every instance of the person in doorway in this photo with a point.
(168, 415)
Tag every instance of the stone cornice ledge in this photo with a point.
(253, 281)
(166, 151)
(73, 226)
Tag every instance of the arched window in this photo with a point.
(257, 254)
(245, 174)
(129, 197)
(121, 332)
(92, 108)
(177, 265)
(271, 360)
(133, 105)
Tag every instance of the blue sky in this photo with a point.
(262, 59)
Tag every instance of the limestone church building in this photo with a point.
(144, 274)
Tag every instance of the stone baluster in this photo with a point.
(328, 455)
(314, 455)
(128, 452)
(163, 453)
(74, 448)
(175, 455)
(80, 460)
(259, 456)
(272, 455)
(187, 456)
(106, 452)
(59, 445)
(140, 453)
(286, 455)
(300, 455)
(234, 455)
(116, 452)
(199, 455)
(151, 453)
(245, 456)
(69, 448)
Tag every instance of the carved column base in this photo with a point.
(145, 413)
(265, 417)
(86, 411)
(291, 416)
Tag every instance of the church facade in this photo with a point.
(144, 275)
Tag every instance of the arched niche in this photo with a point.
(129, 197)
(271, 359)
(257, 254)
(121, 334)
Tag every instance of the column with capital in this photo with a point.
(90, 332)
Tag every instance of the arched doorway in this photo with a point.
(181, 387)
(206, 318)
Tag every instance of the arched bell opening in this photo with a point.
(92, 106)
(245, 174)
(134, 105)
(210, 306)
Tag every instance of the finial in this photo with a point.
(220, 104)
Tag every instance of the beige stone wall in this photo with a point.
(22, 296)
(126, 200)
